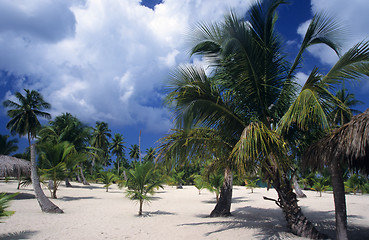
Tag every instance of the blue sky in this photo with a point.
(108, 60)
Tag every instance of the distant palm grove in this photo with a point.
(245, 120)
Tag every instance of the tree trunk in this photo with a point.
(297, 188)
(67, 183)
(339, 199)
(83, 176)
(296, 220)
(140, 210)
(78, 177)
(45, 204)
(223, 206)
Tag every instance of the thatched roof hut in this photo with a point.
(14, 167)
(349, 143)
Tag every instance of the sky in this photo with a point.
(110, 60)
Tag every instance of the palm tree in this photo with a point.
(340, 116)
(67, 127)
(251, 97)
(117, 148)
(134, 152)
(142, 181)
(107, 178)
(24, 121)
(150, 154)
(53, 162)
(100, 140)
(7, 147)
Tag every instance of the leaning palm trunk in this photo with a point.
(45, 204)
(67, 183)
(223, 206)
(296, 220)
(298, 190)
(84, 181)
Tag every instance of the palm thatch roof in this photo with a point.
(348, 144)
(14, 167)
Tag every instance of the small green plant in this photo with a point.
(4, 204)
(215, 182)
(142, 180)
(200, 182)
(107, 178)
(320, 185)
(355, 183)
(251, 184)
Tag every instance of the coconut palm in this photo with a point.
(69, 128)
(340, 116)
(134, 152)
(53, 162)
(100, 140)
(142, 181)
(320, 185)
(24, 121)
(107, 178)
(150, 154)
(7, 146)
(117, 148)
(251, 97)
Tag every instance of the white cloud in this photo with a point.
(101, 60)
(353, 15)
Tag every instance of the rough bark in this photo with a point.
(67, 183)
(298, 190)
(339, 200)
(45, 204)
(296, 220)
(223, 206)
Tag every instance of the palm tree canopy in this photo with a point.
(348, 144)
(24, 114)
(117, 145)
(134, 152)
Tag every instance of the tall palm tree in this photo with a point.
(67, 127)
(100, 140)
(24, 121)
(251, 97)
(7, 146)
(340, 116)
(150, 155)
(117, 148)
(134, 152)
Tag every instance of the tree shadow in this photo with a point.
(272, 223)
(18, 235)
(67, 199)
(87, 187)
(22, 196)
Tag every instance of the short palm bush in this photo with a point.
(142, 180)
(107, 178)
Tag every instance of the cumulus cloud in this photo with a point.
(101, 60)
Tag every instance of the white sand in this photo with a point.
(92, 213)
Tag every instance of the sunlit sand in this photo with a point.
(92, 213)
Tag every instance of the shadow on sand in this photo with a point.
(22, 196)
(272, 224)
(67, 199)
(18, 235)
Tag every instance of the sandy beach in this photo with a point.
(92, 213)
